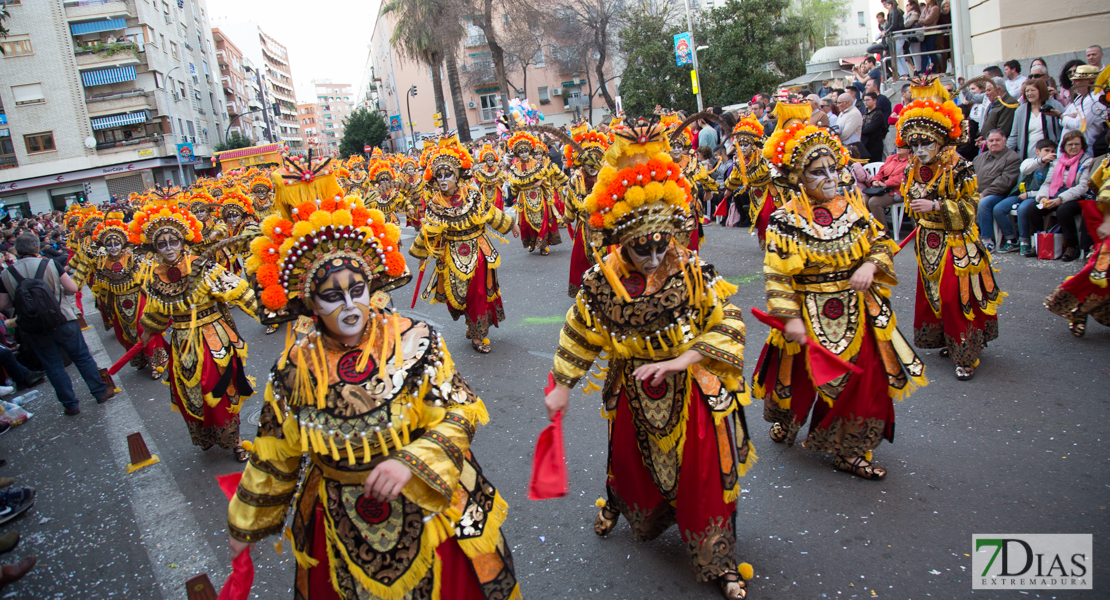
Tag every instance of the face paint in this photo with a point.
(820, 177)
(647, 258)
(523, 152)
(489, 160)
(233, 217)
(445, 180)
(113, 245)
(169, 246)
(342, 302)
(591, 172)
(201, 214)
(924, 150)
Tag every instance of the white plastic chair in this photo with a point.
(897, 212)
(872, 168)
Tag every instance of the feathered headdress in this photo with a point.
(90, 219)
(314, 178)
(930, 115)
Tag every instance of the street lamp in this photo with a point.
(173, 132)
(411, 92)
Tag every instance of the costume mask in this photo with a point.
(820, 178)
(647, 257)
(924, 150)
(201, 214)
(342, 302)
(113, 245)
(233, 217)
(490, 159)
(169, 246)
(445, 179)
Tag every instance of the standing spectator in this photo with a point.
(894, 23)
(761, 116)
(707, 137)
(1094, 56)
(874, 128)
(1000, 116)
(1067, 181)
(883, 101)
(944, 38)
(824, 89)
(1065, 80)
(996, 172)
(1034, 171)
(1038, 118)
(1086, 113)
(827, 108)
(850, 119)
(912, 45)
(49, 346)
(1011, 70)
(930, 14)
(817, 117)
(885, 185)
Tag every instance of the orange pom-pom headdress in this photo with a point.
(748, 126)
(593, 146)
(486, 151)
(522, 140)
(931, 115)
(449, 154)
(90, 219)
(235, 200)
(158, 217)
(112, 225)
(381, 172)
(199, 200)
(795, 142)
(320, 232)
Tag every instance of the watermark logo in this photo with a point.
(1020, 561)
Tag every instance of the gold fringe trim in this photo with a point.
(491, 534)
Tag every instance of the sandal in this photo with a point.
(945, 353)
(965, 373)
(241, 454)
(604, 523)
(545, 251)
(733, 586)
(1078, 328)
(857, 467)
(778, 433)
(481, 346)
(271, 329)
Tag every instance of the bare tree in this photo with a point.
(598, 20)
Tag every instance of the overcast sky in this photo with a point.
(326, 39)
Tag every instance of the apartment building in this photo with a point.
(309, 116)
(240, 88)
(336, 102)
(104, 97)
(560, 93)
(275, 80)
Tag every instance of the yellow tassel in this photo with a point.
(365, 356)
(334, 450)
(611, 277)
(278, 548)
(304, 440)
(288, 345)
(365, 450)
(321, 402)
(405, 433)
(662, 344)
(350, 453)
(323, 379)
(398, 356)
(381, 442)
(396, 440)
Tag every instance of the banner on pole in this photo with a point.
(683, 48)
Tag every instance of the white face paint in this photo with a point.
(445, 180)
(649, 260)
(591, 172)
(523, 152)
(169, 246)
(925, 151)
(490, 159)
(113, 246)
(201, 214)
(342, 302)
(233, 217)
(820, 178)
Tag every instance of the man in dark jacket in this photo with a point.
(60, 257)
(874, 128)
(1000, 115)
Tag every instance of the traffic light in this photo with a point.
(437, 119)
(276, 108)
(412, 90)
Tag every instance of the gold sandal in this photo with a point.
(857, 468)
(733, 586)
(1078, 328)
(482, 346)
(604, 524)
(778, 433)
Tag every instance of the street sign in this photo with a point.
(694, 80)
(367, 149)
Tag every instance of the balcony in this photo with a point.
(131, 144)
(103, 55)
(8, 161)
(97, 9)
(103, 104)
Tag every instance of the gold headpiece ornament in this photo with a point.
(591, 146)
(448, 153)
(795, 142)
(90, 219)
(199, 199)
(234, 199)
(487, 150)
(748, 126)
(112, 224)
(521, 139)
(931, 115)
(381, 172)
(315, 179)
(156, 217)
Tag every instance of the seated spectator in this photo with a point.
(1033, 173)
(996, 172)
(1086, 113)
(1037, 118)
(1067, 181)
(885, 184)
(1000, 115)
(817, 117)
(850, 120)
(860, 174)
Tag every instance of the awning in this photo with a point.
(106, 76)
(97, 26)
(119, 120)
(819, 76)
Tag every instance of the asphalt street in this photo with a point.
(1016, 450)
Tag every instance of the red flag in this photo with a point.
(229, 483)
(238, 584)
(135, 349)
(419, 280)
(824, 364)
(722, 207)
(549, 464)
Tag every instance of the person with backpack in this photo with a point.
(41, 295)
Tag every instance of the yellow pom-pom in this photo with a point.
(621, 209)
(247, 445)
(301, 229)
(635, 196)
(600, 503)
(746, 571)
(320, 219)
(286, 246)
(653, 191)
(253, 263)
(610, 219)
(257, 244)
(341, 217)
(376, 216)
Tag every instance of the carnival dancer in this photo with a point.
(207, 381)
(456, 234)
(392, 200)
(674, 388)
(584, 152)
(261, 190)
(1086, 292)
(683, 137)
(201, 205)
(828, 271)
(117, 285)
(531, 185)
(394, 504)
(237, 214)
(489, 177)
(752, 175)
(957, 295)
(409, 172)
(83, 258)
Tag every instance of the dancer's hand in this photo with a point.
(237, 547)
(146, 337)
(922, 205)
(661, 370)
(384, 483)
(516, 229)
(795, 330)
(862, 278)
(557, 400)
(1104, 229)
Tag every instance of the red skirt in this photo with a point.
(1079, 295)
(764, 218)
(579, 260)
(483, 295)
(219, 425)
(964, 338)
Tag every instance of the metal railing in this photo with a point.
(899, 38)
(8, 162)
(135, 141)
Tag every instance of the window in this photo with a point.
(16, 47)
(39, 142)
(173, 49)
(192, 130)
(490, 104)
(163, 36)
(7, 151)
(28, 94)
(159, 80)
(862, 18)
(545, 97)
(537, 60)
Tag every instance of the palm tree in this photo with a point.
(421, 33)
